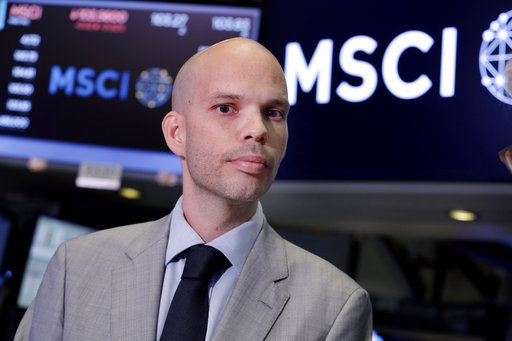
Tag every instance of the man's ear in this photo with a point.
(173, 127)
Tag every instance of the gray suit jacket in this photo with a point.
(106, 286)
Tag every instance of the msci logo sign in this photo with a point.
(153, 86)
(86, 81)
(299, 72)
(495, 60)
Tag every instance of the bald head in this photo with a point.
(229, 127)
(208, 59)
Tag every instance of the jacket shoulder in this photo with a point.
(317, 272)
(134, 239)
(324, 302)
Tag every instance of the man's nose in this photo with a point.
(256, 128)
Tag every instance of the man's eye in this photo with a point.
(225, 108)
(274, 114)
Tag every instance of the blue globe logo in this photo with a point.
(153, 87)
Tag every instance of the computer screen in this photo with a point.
(49, 233)
(90, 81)
(400, 90)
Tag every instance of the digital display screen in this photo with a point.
(400, 90)
(48, 235)
(92, 80)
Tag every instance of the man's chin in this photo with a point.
(248, 194)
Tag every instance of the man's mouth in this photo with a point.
(252, 164)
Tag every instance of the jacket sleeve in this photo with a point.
(44, 319)
(354, 322)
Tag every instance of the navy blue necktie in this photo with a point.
(187, 318)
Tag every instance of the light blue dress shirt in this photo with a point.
(235, 245)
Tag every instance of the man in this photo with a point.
(229, 127)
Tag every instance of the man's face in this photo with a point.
(235, 125)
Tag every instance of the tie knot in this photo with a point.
(203, 261)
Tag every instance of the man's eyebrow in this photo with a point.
(280, 103)
(225, 95)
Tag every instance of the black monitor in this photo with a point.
(394, 91)
(90, 81)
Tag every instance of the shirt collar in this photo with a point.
(234, 244)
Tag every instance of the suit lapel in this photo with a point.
(137, 283)
(259, 296)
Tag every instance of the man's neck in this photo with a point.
(212, 217)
